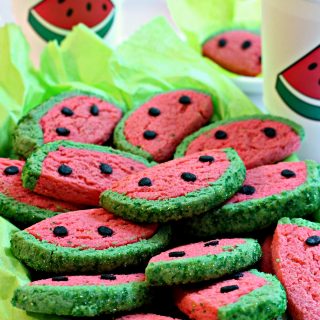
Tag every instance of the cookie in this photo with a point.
(238, 51)
(87, 241)
(202, 261)
(269, 193)
(177, 189)
(76, 116)
(265, 263)
(145, 316)
(250, 295)
(20, 205)
(156, 128)
(84, 296)
(77, 172)
(258, 139)
(296, 252)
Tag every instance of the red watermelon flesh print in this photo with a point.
(86, 181)
(91, 229)
(237, 51)
(179, 113)
(72, 281)
(88, 120)
(198, 249)
(269, 180)
(172, 179)
(297, 266)
(66, 14)
(11, 186)
(146, 316)
(266, 260)
(203, 304)
(248, 138)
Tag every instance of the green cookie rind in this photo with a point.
(83, 301)
(28, 135)
(256, 214)
(122, 143)
(264, 303)
(182, 148)
(193, 203)
(32, 169)
(43, 256)
(22, 213)
(300, 223)
(201, 268)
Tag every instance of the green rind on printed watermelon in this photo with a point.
(50, 35)
(22, 213)
(193, 203)
(201, 268)
(28, 135)
(32, 169)
(182, 148)
(122, 143)
(83, 301)
(300, 223)
(263, 303)
(299, 106)
(43, 256)
(256, 214)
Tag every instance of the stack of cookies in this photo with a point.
(176, 211)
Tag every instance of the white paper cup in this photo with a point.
(291, 65)
(39, 30)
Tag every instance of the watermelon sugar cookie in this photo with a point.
(77, 172)
(250, 295)
(269, 193)
(75, 116)
(155, 129)
(177, 189)
(20, 205)
(295, 253)
(88, 241)
(238, 51)
(84, 296)
(202, 261)
(258, 139)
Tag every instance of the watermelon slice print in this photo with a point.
(54, 19)
(299, 85)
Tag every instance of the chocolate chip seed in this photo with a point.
(89, 6)
(313, 241)
(270, 132)
(10, 171)
(227, 289)
(108, 277)
(288, 173)
(63, 132)
(312, 66)
(105, 231)
(65, 170)
(188, 177)
(145, 182)
(67, 112)
(211, 243)
(105, 168)
(221, 135)
(206, 159)
(149, 135)
(222, 43)
(154, 112)
(246, 45)
(60, 231)
(60, 278)
(94, 110)
(247, 190)
(69, 12)
(104, 7)
(176, 254)
(185, 100)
